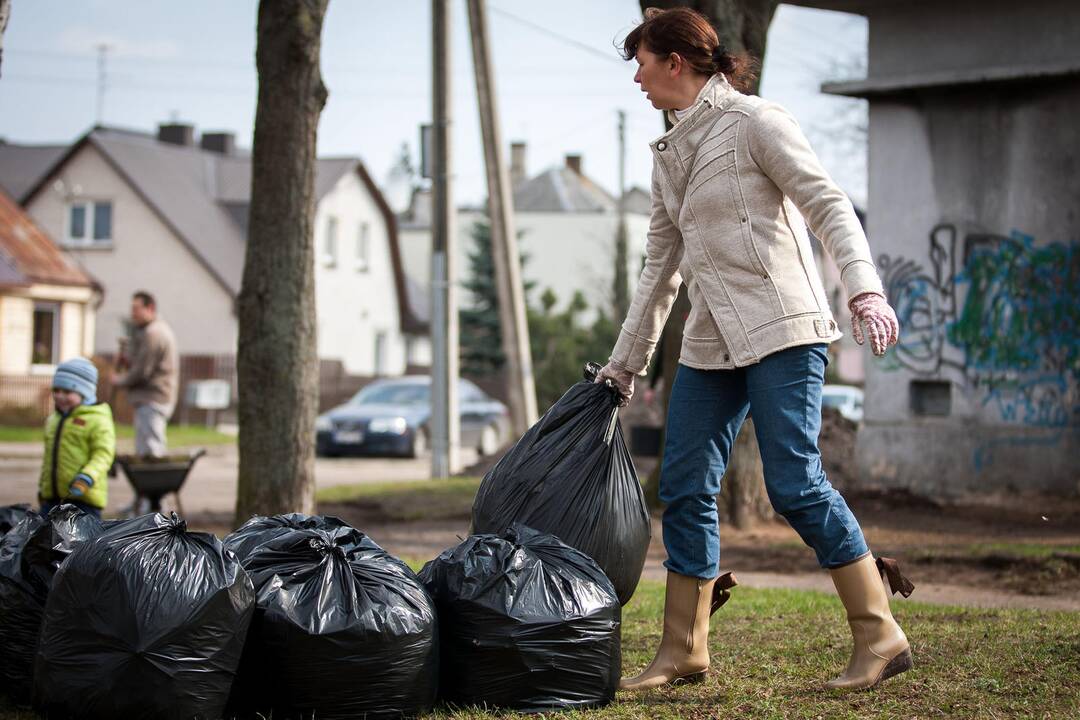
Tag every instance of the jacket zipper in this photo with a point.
(55, 453)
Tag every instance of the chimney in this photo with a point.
(517, 162)
(574, 163)
(176, 134)
(219, 142)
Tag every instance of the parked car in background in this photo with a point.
(393, 417)
(845, 398)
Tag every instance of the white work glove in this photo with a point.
(621, 378)
(870, 310)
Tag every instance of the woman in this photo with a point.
(732, 182)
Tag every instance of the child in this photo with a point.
(80, 441)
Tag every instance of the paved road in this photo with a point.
(210, 489)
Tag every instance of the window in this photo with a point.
(46, 334)
(330, 242)
(90, 223)
(363, 248)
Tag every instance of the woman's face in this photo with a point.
(655, 75)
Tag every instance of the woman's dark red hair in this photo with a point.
(688, 33)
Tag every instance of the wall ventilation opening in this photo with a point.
(931, 397)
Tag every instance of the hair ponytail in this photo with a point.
(688, 33)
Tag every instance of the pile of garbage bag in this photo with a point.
(144, 621)
(10, 515)
(571, 475)
(342, 629)
(526, 623)
(30, 555)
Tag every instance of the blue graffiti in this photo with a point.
(1013, 345)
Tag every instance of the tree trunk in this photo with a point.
(277, 360)
(742, 26)
(5, 13)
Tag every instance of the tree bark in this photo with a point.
(742, 26)
(277, 360)
(5, 13)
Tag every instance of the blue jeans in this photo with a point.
(707, 408)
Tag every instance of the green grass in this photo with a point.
(178, 435)
(409, 501)
(772, 649)
(1040, 551)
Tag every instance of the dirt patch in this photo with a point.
(1004, 549)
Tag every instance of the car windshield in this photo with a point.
(394, 394)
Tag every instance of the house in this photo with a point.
(47, 309)
(167, 214)
(567, 225)
(972, 213)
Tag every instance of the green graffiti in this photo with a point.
(1021, 311)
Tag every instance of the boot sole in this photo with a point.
(900, 663)
(692, 679)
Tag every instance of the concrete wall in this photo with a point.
(144, 255)
(934, 36)
(975, 225)
(356, 304)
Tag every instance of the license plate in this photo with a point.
(348, 437)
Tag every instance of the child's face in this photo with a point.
(65, 400)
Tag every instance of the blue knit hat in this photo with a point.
(80, 375)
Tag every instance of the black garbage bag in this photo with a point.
(342, 629)
(10, 515)
(144, 622)
(262, 529)
(571, 475)
(29, 557)
(526, 623)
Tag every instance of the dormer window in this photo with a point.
(89, 223)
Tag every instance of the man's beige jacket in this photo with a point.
(732, 182)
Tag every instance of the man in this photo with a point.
(153, 375)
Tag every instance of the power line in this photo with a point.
(584, 47)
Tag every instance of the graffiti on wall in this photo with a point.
(999, 317)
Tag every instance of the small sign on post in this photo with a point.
(209, 395)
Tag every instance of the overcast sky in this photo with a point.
(558, 77)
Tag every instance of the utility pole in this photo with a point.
(512, 320)
(103, 51)
(622, 282)
(445, 421)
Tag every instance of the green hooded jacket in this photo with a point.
(83, 441)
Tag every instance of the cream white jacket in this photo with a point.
(732, 183)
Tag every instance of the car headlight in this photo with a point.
(397, 425)
(323, 424)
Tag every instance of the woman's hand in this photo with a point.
(872, 311)
(621, 378)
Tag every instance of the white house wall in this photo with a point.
(354, 306)
(16, 340)
(144, 255)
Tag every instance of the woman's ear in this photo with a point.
(675, 64)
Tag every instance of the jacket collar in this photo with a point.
(716, 93)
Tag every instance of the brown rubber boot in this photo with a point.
(683, 656)
(881, 649)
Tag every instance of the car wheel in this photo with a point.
(419, 446)
(489, 441)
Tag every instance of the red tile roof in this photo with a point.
(28, 255)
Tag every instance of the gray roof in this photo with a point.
(202, 196)
(21, 166)
(561, 189)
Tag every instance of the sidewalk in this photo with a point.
(209, 494)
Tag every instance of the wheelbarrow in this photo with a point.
(155, 477)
